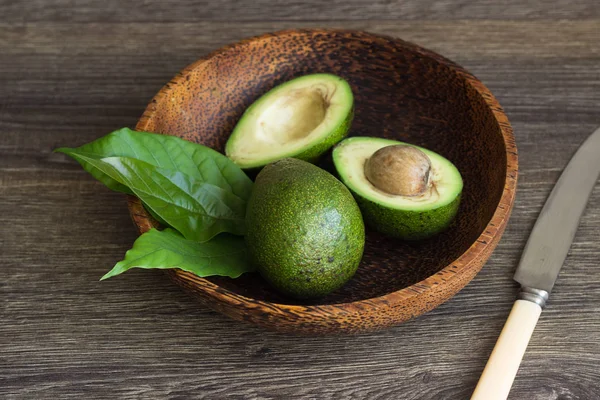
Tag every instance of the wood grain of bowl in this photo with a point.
(402, 92)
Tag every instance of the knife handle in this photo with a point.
(501, 368)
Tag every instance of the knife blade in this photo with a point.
(540, 264)
(554, 230)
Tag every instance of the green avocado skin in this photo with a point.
(314, 153)
(407, 225)
(305, 232)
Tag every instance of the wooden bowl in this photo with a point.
(403, 92)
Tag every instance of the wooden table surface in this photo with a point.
(71, 71)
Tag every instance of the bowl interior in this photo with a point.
(401, 92)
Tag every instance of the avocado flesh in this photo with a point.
(301, 118)
(305, 232)
(403, 217)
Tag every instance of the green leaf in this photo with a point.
(84, 158)
(187, 186)
(168, 152)
(155, 216)
(224, 255)
(198, 210)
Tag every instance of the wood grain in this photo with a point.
(65, 335)
(311, 10)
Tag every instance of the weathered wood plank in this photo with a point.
(539, 40)
(66, 335)
(311, 10)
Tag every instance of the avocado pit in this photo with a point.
(400, 170)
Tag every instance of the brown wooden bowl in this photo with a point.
(403, 92)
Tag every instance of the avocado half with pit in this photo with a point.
(301, 118)
(403, 190)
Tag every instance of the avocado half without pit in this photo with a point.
(404, 191)
(301, 118)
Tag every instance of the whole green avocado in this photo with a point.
(305, 232)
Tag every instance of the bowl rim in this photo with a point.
(482, 246)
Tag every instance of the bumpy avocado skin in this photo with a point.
(305, 232)
(407, 225)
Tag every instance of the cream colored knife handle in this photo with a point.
(501, 369)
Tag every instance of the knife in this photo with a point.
(542, 259)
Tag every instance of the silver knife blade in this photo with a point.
(554, 230)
